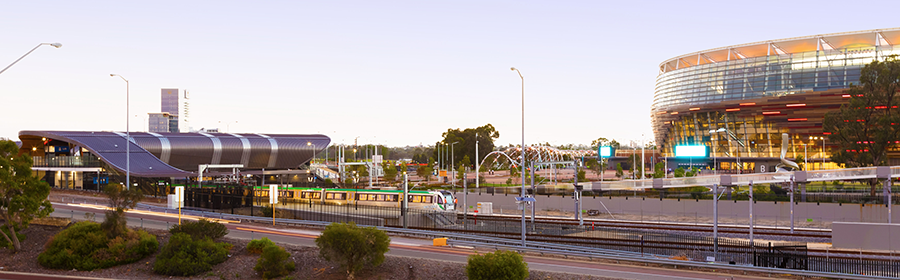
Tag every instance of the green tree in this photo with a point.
(799, 160)
(659, 171)
(605, 142)
(581, 175)
(390, 171)
(619, 172)
(353, 247)
(678, 173)
(424, 171)
(466, 138)
(499, 265)
(865, 127)
(119, 200)
(23, 197)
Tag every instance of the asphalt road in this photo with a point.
(400, 246)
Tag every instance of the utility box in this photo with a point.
(485, 208)
(172, 201)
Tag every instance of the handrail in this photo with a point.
(668, 261)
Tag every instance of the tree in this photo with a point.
(390, 171)
(119, 200)
(497, 265)
(865, 127)
(605, 142)
(678, 172)
(659, 170)
(465, 139)
(580, 174)
(424, 171)
(619, 172)
(23, 197)
(799, 160)
(353, 247)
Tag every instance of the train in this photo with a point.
(428, 200)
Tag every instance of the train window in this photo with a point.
(381, 197)
(311, 195)
(339, 196)
(394, 197)
(427, 199)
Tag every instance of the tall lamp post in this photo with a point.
(452, 164)
(715, 170)
(55, 45)
(823, 148)
(523, 149)
(127, 132)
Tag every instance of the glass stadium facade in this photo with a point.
(739, 100)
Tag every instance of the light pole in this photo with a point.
(228, 125)
(523, 149)
(452, 164)
(823, 148)
(55, 45)
(127, 132)
(805, 158)
(715, 170)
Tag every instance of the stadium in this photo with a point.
(739, 100)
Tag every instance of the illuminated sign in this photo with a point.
(605, 151)
(691, 151)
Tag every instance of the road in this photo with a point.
(400, 246)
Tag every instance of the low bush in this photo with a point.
(85, 246)
(353, 247)
(497, 265)
(274, 262)
(256, 246)
(185, 256)
(200, 229)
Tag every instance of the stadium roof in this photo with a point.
(834, 41)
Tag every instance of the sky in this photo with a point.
(392, 73)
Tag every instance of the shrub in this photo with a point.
(256, 246)
(85, 246)
(353, 247)
(200, 229)
(274, 262)
(184, 256)
(497, 265)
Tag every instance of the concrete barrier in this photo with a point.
(865, 236)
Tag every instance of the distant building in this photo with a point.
(167, 120)
(162, 122)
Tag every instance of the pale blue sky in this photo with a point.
(389, 72)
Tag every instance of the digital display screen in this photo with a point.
(690, 151)
(605, 151)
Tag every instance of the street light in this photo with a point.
(228, 125)
(823, 148)
(523, 150)
(716, 168)
(452, 163)
(127, 132)
(738, 148)
(55, 45)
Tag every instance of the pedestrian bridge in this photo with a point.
(880, 172)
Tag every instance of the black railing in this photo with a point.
(66, 161)
(790, 255)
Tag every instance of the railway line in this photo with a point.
(672, 226)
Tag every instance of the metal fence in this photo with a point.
(791, 255)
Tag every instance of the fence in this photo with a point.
(791, 255)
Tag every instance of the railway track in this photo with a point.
(676, 227)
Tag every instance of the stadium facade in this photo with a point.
(739, 100)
